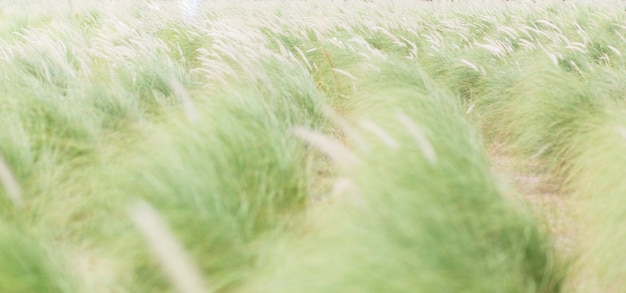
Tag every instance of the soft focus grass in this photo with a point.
(418, 212)
(103, 104)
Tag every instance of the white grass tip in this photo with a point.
(330, 146)
(379, 132)
(470, 109)
(166, 249)
(346, 127)
(615, 50)
(347, 190)
(622, 131)
(348, 75)
(191, 112)
(420, 137)
(495, 50)
(11, 186)
(470, 65)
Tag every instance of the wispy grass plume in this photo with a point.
(170, 254)
(11, 186)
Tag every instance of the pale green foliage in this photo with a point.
(218, 122)
(25, 265)
(423, 216)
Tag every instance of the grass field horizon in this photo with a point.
(309, 146)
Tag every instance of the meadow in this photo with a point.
(310, 146)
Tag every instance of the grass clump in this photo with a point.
(25, 266)
(594, 179)
(236, 177)
(419, 214)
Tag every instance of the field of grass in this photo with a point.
(308, 146)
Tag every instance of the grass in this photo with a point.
(420, 214)
(305, 146)
(27, 267)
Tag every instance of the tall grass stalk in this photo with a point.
(167, 250)
(12, 188)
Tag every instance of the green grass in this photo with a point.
(25, 265)
(423, 215)
(313, 146)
